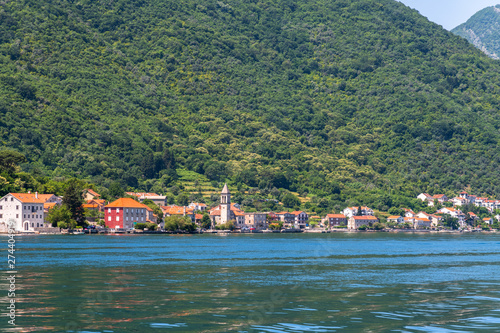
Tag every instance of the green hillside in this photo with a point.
(483, 30)
(350, 101)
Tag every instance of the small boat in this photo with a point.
(78, 233)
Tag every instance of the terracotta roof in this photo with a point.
(437, 196)
(471, 214)
(90, 206)
(366, 217)
(198, 216)
(394, 217)
(424, 219)
(282, 213)
(49, 205)
(28, 197)
(126, 202)
(297, 212)
(336, 216)
(463, 192)
(94, 193)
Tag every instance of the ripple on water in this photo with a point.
(296, 328)
(165, 325)
(432, 329)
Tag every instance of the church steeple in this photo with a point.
(225, 205)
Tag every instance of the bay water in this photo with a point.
(342, 282)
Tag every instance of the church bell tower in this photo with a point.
(225, 205)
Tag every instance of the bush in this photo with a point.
(363, 227)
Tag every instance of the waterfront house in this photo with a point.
(124, 213)
(354, 222)
(256, 220)
(174, 210)
(25, 210)
(301, 219)
(422, 223)
(395, 219)
(334, 220)
(287, 218)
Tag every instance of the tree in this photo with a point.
(59, 214)
(179, 223)
(451, 222)
(290, 200)
(358, 213)
(10, 159)
(206, 222)
(156, 210)
(116, 190)
(73, 200)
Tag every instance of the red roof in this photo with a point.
(335, 216)
(30, 197)
(438, 196)
(94, 193)
(126, 202)
(394, 217)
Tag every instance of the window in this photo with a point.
(17, 207)
(109, 210)
(1, 215)
(109, 218)
(117, 218)
(142, 218)
(24, 216)
(32, 225)
(126, 210)
(37, 225)
(1, 207)
(126, 218)
(28, 207)
(11, 199)
(17, 216)
(118, 210)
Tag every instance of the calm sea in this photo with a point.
(255, 283)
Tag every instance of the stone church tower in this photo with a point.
(225, 205)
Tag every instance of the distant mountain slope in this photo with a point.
(344, 99)
(483, 30)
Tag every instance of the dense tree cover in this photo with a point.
(482, 30)
(351, 101)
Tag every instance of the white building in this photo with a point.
(24, 209)
(351, 211)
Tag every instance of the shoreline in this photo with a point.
(284, 231)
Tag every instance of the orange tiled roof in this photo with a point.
(297, 212)
(335, 216)
(90, 206)
(438, 196)
(94, 193)
(394, 217)
(28, 197)
(198, 216)
(49, 205)
(126, 202)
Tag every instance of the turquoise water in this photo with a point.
(256, 283)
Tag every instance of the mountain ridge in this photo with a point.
(483, 31)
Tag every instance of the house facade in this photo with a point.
(25, 210)
(354, 222)
(256, 220)
(124, 213)
(351, 211)
(334, 220)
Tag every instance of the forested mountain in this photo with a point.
(483, 30)
(356, 100)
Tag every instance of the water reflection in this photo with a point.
(263, 283)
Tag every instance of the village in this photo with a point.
(29, 212)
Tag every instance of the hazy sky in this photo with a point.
(449, 13)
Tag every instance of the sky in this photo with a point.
(449, 13)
